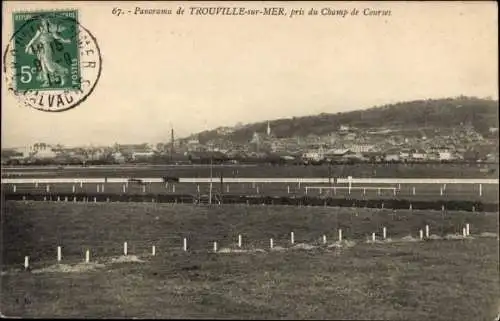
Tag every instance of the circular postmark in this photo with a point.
(51, 63)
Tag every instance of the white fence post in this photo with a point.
(26, 262)
(73, 189)
(467, 228)
(271, 244)
(239, 240)
(125, 252)
(464, 232)
(215, 246)
(184, 245)
(14, 188)
(324, 239)
(427, 231)
(340, 234)
(373, 237)
(59, 254)
(384, 232)
(173, 188)
(87, 256)
(480, 189)
(292, 238)
(153, 250)
(288, 189)
(421, 234)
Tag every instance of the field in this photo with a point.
(444, 277)
(238, 170)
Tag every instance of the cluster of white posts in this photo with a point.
(442, 189)
(465, 233)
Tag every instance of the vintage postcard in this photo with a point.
(250, 160)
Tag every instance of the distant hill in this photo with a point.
(438, 113)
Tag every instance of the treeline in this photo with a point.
(440, 113)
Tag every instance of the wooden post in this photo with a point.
(184, 245)
(87, 256)
(467, 229)
(292, 238)
(384, 232)
(340, 234)
(26, 262)
(427, 231)
(59, 254)
(271, 244)
(324, 239)
(239, 240)
(215, 246)
(125, 252)
(153, 250)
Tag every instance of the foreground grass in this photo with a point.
(436, 280)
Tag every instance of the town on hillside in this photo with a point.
(346, 144)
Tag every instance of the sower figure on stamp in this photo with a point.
(41, 43)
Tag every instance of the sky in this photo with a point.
(195, 73)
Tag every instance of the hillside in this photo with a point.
(439, 113)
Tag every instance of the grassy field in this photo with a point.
(355, 170)
(437, 279)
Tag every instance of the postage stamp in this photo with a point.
(52, 63)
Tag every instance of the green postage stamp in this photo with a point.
(52, 63)
(46, 53)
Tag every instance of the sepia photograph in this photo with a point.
(313, 160)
